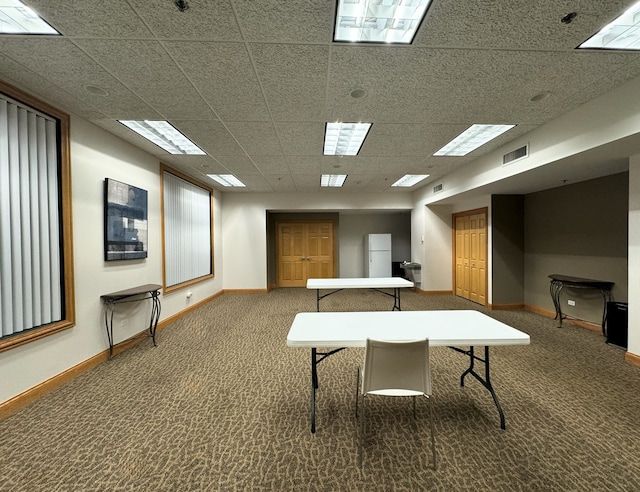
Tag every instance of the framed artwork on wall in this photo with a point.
(125, 221)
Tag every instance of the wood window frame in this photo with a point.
(167, 169)
(65, 210)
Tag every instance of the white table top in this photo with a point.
(358, 283)
(443, 328)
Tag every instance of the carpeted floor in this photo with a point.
(223, 404)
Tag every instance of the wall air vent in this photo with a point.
(515, 155)
(437, 188)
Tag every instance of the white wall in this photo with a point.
(244, 225)
(436, 261)
(95, 155)
(634, 255)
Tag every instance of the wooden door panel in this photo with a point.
(305, 250)
(290, 263)
(320, 269)
(459, 279)
(459, 245)
(471, 256)
(481, 260)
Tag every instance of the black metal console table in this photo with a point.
(560, 281)
(149, 291)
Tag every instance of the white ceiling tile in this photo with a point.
(271, 164)
(293, 78)
(281, 182)
(204, 19)
(253, 183)
(66, 66)
(256, 137)
(164, 86)
(91, 18)
(301, 138)
(253, 82)
(285, 21)
(520, 24)
(223, 74)
(210, 136)
(238, 164)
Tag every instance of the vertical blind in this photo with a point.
(31, 293)
(187, 230)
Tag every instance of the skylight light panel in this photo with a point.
(385, 21)
(165, 136)
(17, 18)
(228, 180)
(409, 180)
(621, 34)
(333, 180)
(344, 138)
(473, 137)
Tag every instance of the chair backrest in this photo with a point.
(392, 366)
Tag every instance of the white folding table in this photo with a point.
(443, 328)
(338, 284)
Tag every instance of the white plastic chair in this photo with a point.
(395, 369)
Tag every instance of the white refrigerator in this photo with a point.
(377, 255)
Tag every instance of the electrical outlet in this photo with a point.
(571, 302)
(124, 322)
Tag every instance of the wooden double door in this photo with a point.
(471, 255)
(304, 250)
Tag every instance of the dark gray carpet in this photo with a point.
(223, 404)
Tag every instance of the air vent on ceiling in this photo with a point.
(515, 155)
(437, 188)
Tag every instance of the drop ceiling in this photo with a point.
(253, 82)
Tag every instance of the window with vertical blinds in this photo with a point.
(36, 295)
(187, 230)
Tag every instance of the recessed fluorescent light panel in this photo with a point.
(344, 138)
(333, 180)
(473, 137)
(17, 18)
(228, 180)
(164, 135)
(621, 34)
(380, 21)
(410, 179)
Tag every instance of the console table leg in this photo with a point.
(108, 323)
(554, 289)
(155, 316)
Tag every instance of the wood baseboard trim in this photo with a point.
(632, 359)
(541, 311)
(167, 321)
(570, 321)
(14, 404)
(434, 292)
(20, 401)
(583, 324)
(245, 291)
(506, 307)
